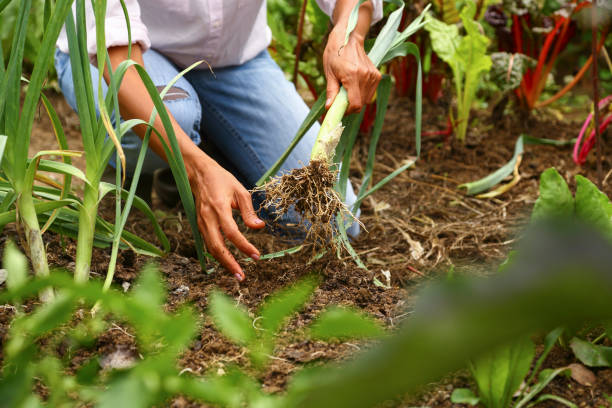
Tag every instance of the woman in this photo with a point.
(246, 110)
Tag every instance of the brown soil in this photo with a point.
(417, 227)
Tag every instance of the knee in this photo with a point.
(185, 107)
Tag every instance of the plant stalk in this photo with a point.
(87, 224)
(331, 129)
(298, 47)
(31, 227)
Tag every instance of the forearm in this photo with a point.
(343, 10)
(136, 103)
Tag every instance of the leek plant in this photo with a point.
(16, 126)
(317, 190)
(101, 139)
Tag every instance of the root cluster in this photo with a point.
(310, 191)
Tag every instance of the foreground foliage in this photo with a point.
(556, 268)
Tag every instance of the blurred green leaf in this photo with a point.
(555, 200)
(231, 319)
(464, 396)
(590, 354)
(16, 266)
(149, 291)
(344, 323)
(500, 373)
(593, 206)
(281, 305)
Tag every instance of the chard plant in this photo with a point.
(466, 55)
(317, 190)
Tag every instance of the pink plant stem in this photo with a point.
(602, 105)
(590, 142)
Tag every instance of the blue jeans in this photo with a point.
(248, 113)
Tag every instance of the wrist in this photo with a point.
(197, 164)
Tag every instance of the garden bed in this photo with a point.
(419, 227)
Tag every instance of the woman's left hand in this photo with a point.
(349, 66)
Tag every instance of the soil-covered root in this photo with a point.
(310, 191)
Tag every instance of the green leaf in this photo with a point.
(500, 373)
(149, 291)
(555, 200)
(16, 266)
(352, 21)
(590, 354)
(549, 341)
(545, 377)
(507, 69)
(464, 396)
(445, 39)
(3, 140)
(497, 176)
(231, 319)
(592, 206)
(279, 306)
(556, 398)
(51, 315)
(127, 389)
(344, 323)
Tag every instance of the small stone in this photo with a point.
(118, 359)
(3, 275)
(182, 290)
(125, 286)
(197, 345)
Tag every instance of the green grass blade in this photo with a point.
(177, 166)
(497, 176)
(315, 113)
(382, 102)
(352, 21)
(80, 87)
(381, 183)
(11, 89)
(10, 216)
(418, 110)
(41, 67)
(345, 149)
(58, 130)
(345, 241)
(3, 4)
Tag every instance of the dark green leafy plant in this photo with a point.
(500, 375)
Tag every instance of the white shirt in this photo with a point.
(222, 32)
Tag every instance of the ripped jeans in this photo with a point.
(248, 114)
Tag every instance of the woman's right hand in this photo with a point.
(217, 193)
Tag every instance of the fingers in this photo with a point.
(245, 205)
(216, 245)
(333, 87)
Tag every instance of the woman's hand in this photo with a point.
(216, 193)
(349, 65)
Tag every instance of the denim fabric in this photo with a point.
(251, 113)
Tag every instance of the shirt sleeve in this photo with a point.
(115, 27)
(328, 8)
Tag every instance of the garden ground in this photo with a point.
(419, 227)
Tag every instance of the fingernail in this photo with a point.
(255, 257)
(328, 101)
(239, 277)
(258, 221)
